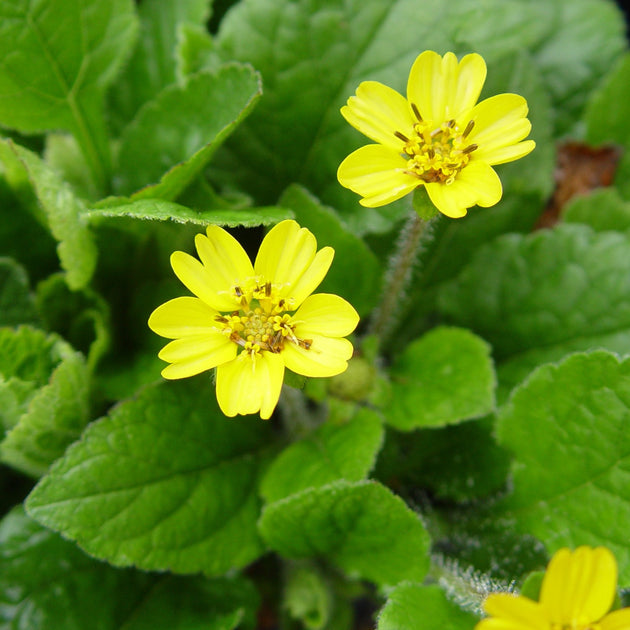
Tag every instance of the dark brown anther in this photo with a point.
(268, 289)
(238, 291)
(470, 148)
(469, 128)
(451, 123)
(220, 318)
(416, 112)
(305, 343)
(401, 136)
(430, 153)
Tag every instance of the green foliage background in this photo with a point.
(489, 431)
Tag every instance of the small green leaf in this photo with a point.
(355, 273)
(443, 378)
(536, 298)
(412, 606)
(159, 210)
(188, 503)
(331, 452)
(308, 596)
(174, 136)
(152, 66)
(58, 56)
(361, 527)
(46, 582)
(570, 482)
(602, 210)
(17, 305)
(54, 418)
(62, 209)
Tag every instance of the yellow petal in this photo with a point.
(226, 261)
(250, 384)
(325, 357)
(325, 314)
(441, 88)
(183, 317)
(617, 620)
(500, 121)
(198, 279)
(193, 355)
(287, 257)
(501, 155)
(579, 587)
(475, 184)
(378, 112)
(511, 612)
(378, 174)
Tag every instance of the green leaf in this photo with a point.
(17, 305)
(62, 209)
(359, 526)
(188, 503)
(159, 210)
(607, 114)
(174, 136)
(152, 66)
(27, 359)
(355, 273)
(536, 298)
(195, 603)
(602, 210)
(46, 582)
(570, 482)
(588, 36)
(54, 418)
(58, 56)
(445, 377)
(308, 596)
(331, 452)
(412, 606)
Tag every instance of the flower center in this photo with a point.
(436, 154)
(262, 323)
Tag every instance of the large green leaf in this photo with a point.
(445, 377)
(412, 606)
(361, 527)
(570, 483)
(152, 66)
(164, 482)
(61, 208)
(603, 209)
(331, 452)
(175, 135)
(58, 56)
(46, 582)
(536, 298)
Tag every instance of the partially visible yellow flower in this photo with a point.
(437, 137)
(577, 592)
(250, 322)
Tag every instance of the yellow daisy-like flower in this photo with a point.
(250, 322)
(577, 592)
(437, 137)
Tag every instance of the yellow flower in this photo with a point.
(437, 137)
(577, 591)
(250, 322)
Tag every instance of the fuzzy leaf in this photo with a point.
(443, 378)
(570, 483)
(412, 606)
(63, 211)
(17, 305)
(361, 527)
(187, 504)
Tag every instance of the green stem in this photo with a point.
(413, 236)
